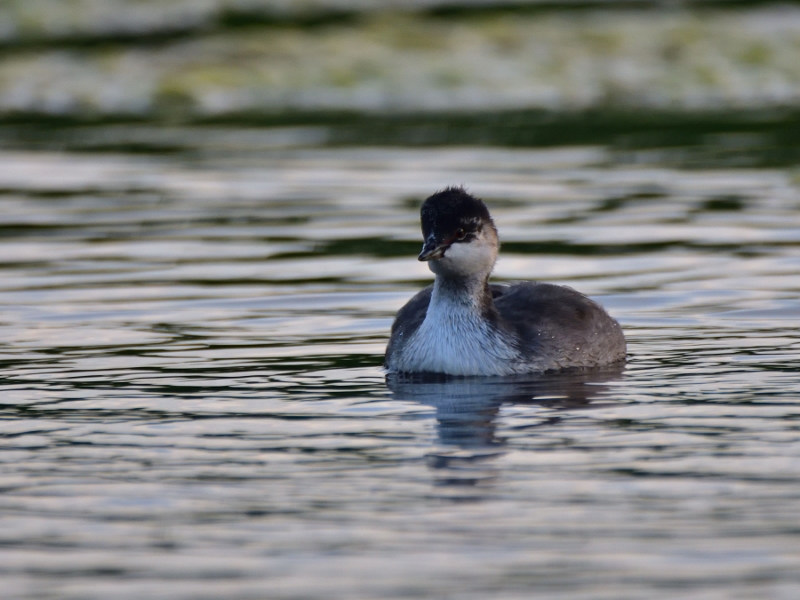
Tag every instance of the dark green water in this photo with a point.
(193, 321)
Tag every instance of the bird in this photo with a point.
(462, 325)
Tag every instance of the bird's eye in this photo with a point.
(461, 234)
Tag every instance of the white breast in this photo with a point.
(455, 340)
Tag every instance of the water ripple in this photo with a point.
(193, 404)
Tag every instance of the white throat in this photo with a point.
(469, 260)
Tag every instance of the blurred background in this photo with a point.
(209, 215)
(529, 73)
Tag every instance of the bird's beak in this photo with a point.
(432, 250)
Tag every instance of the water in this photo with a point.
(193, 404)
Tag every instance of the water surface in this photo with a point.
(193, 404)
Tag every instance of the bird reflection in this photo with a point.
(468, 409)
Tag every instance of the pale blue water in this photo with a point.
(193, 404)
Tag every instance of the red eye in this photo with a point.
(461, 234)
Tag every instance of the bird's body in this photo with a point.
(462, 325)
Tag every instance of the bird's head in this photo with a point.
(460, 239)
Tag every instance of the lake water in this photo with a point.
(193, 404)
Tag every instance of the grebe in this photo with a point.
(463, 325)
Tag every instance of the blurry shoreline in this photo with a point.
(237, 61)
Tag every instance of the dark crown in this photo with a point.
(453, 208)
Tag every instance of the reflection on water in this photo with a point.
(468, 415)
(193, 405)
(467, 408)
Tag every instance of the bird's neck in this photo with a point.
(463, 293)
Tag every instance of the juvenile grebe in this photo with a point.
(463, 325)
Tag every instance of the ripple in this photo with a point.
(193, 404)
